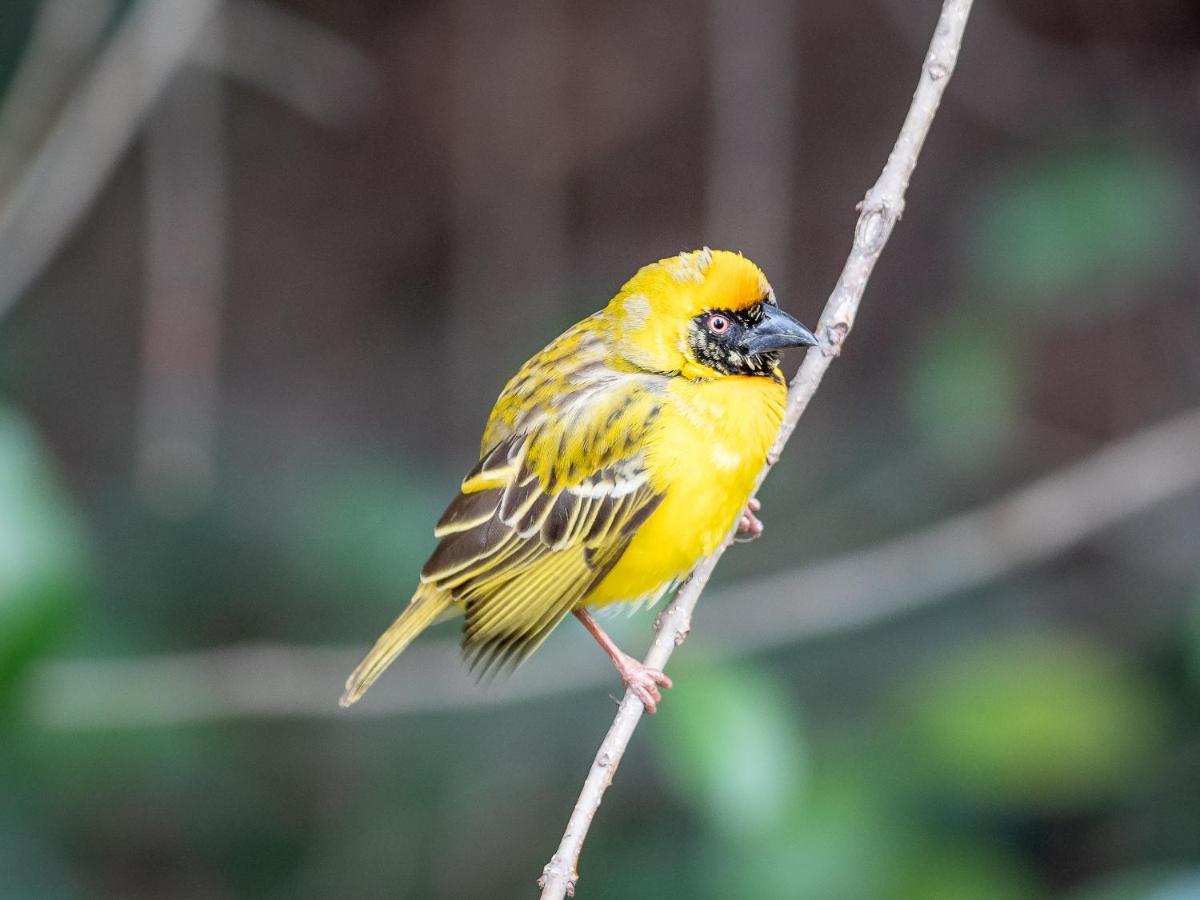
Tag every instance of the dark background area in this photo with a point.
(264, 266)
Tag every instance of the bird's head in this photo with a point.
(702, 314)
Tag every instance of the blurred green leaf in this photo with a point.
(42, 569)
(1081, 226)
(837, 839)
(964, 390)
(1034, 723)
(364, 529)
(32, 865)
(951, 869)
(1192, 661)
(849, 834)
(731, 742)
(221, 784)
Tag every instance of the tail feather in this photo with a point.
(427, 605)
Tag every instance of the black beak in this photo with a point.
(777, 331)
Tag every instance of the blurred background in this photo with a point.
(264, 266)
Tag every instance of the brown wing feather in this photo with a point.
(507, 624)
(518, 559)
(553, 502)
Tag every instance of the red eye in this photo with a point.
(717, 324)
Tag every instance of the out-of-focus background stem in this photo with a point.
(264, 264)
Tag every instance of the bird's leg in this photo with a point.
(750, 526)
(640, 679)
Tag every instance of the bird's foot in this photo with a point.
(750, 526)
(637, 677)
(643, 681)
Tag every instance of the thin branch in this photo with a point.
(1032, 524)
(880, 210)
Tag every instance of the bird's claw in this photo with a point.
(644, 682)
(750, 526)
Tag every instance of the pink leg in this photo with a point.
(750, 526)
(638, 678)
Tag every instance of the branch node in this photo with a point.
(874, 224)
(552, 869)
(834, 336)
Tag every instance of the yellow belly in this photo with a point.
(707, 448)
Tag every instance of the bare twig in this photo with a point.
(880, 210)
(1030, 525)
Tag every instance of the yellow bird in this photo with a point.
(613, 462)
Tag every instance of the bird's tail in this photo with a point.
(427, 605)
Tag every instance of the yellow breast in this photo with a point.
(705, 451)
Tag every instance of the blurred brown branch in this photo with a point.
(91, 134)
(1030, 525)
(187, 211)
(1034, 523)
(61, 43)
(313, 70)
(308, 67)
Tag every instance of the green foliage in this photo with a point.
(361, 529)
(838, 840)
(1035, 724)
(784, 820)
(950, 868)
(732, 746)
(964, 389)
(42, 559)
(1192, 638)
(1070, 230)
(32, 865)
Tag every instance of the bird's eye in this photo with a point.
(717, 324)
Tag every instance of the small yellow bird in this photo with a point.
(613, 462)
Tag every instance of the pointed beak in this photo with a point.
(777, 331)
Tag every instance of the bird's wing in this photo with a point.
(544, 516)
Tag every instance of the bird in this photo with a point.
(613, 462)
